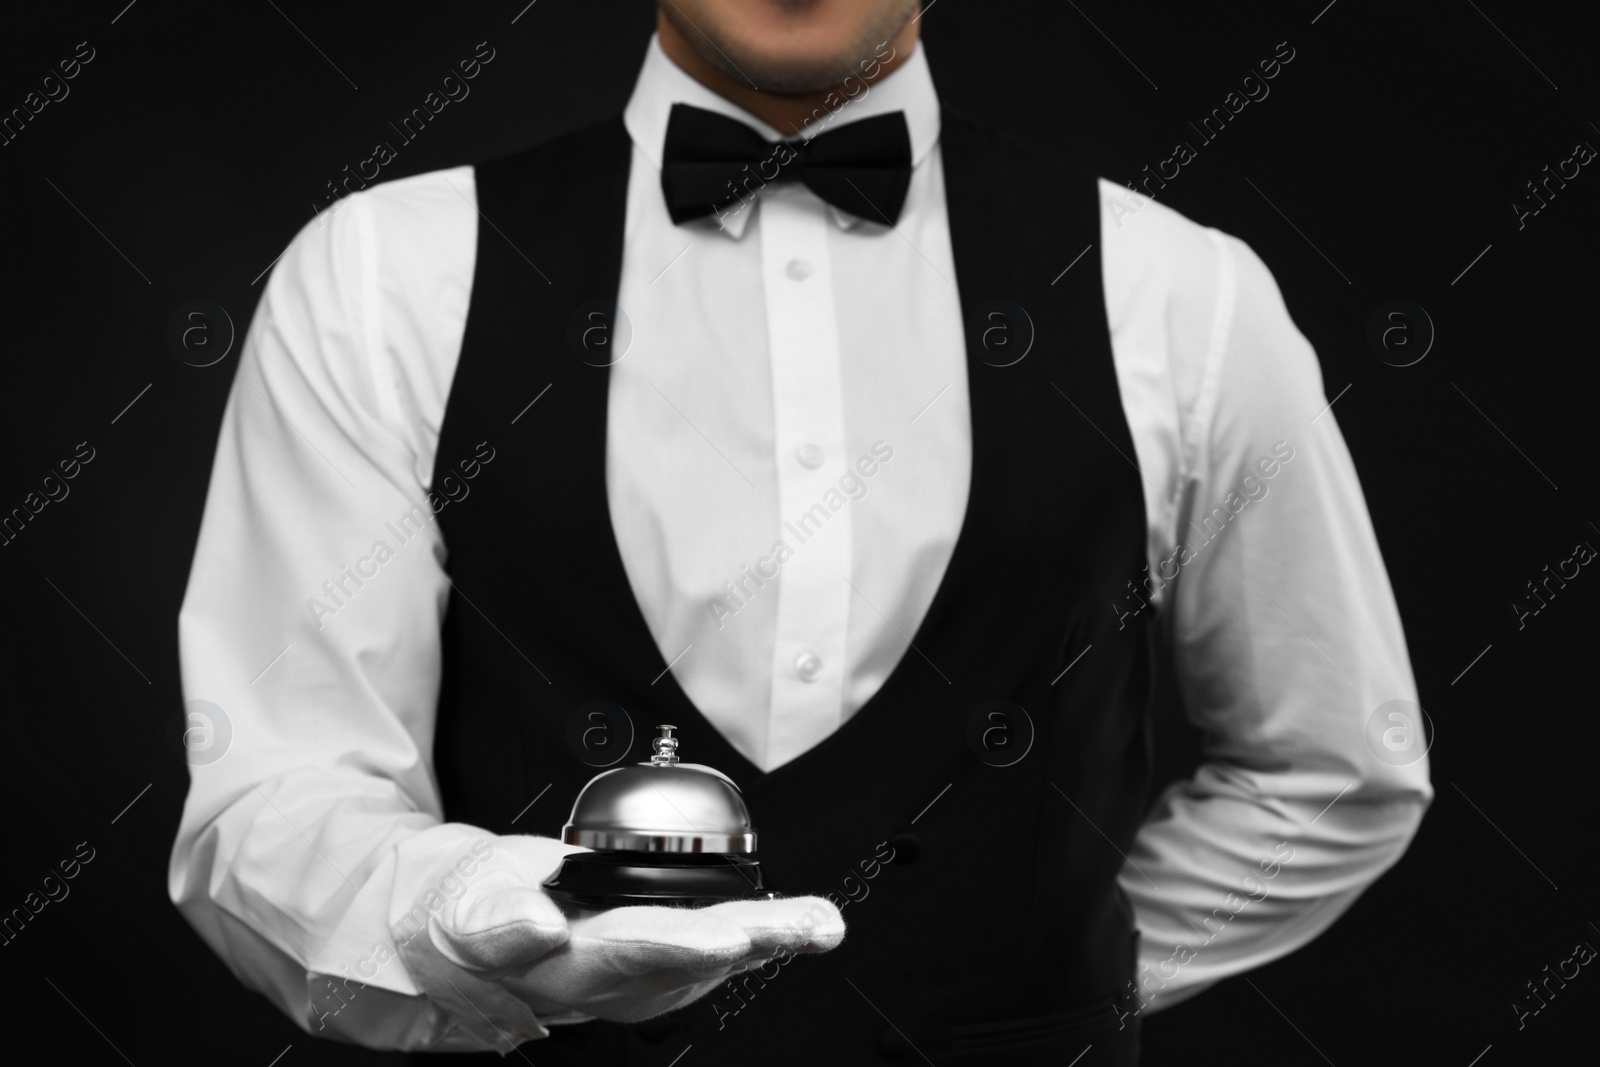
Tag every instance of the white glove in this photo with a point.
(626, 964)
(634, 963)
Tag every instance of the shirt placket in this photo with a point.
(813, 605)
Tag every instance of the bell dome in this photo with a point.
(662, 832)
(662, 806)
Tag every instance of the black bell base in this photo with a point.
(614, 879)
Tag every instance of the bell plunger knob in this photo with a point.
(665, 746)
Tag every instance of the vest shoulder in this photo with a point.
(1010, 154)
(1154, 241)
(450, 190)
(584, 149)
(446, 201)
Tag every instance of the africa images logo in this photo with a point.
(199, 733)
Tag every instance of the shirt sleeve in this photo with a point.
(312, 847)
(1288, 649)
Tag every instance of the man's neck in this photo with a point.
(781, 112)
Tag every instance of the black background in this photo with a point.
(199, 138)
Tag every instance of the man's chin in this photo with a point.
(801, 75)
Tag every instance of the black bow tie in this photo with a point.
(711, 162)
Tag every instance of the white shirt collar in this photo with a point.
(662, 83)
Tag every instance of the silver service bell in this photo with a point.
(662, 832)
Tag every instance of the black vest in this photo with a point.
(997, 933)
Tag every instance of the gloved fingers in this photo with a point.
(633, 963)
(638, 999)
(504, 928)
(640, 940)
(792, 924)
(551, 987)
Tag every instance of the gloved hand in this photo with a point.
(626, 964)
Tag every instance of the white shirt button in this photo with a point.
(809, 455)
(808, 666)
(798, 269)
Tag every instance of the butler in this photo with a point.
(677, 332)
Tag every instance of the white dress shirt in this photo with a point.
(766, 356)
